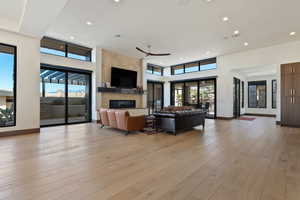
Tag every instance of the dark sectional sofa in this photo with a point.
(177, 121)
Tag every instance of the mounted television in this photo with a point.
(123, 78)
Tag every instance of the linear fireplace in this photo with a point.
(121, 103)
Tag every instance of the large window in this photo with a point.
(155, 69)
(197, 93)
(274, 93)
(179, 69)
(7, 85)
(201, 65)
(257, 94)
(61, 48)
(192, 67)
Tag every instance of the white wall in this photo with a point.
(227, 64)
(274, 55)
(76, 64)
(28, 71)
(269, 110)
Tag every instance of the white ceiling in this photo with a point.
(256, 71)
(186, 28)
(29, 17)
(10, 14)
(189, 29)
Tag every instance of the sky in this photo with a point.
(6, 71)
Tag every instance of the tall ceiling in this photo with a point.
(189, 29)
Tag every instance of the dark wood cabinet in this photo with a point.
(290, 94)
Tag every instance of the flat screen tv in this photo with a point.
(123, 78)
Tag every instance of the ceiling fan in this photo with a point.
(149, 53)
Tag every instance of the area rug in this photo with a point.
(247, 118)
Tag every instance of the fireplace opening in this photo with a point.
(122, 104)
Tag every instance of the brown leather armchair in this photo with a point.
(121, 119)
(129, 123)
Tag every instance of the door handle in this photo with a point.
(291, 91)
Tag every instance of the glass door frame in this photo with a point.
(214, 79)
(67, 70)
(153, 92)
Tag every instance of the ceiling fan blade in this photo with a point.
(159, 54)
(141, 50)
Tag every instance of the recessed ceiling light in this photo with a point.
(72, 37)
(236, 32)
(117, 1)
(208, 1)
(246, 43)
(225, 19)
(292, 33)
(89, 23)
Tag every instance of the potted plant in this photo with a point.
(6, 116)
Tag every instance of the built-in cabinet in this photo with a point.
(290, 94)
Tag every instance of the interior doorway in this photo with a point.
(65, 96)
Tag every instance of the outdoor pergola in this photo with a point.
(60, 77)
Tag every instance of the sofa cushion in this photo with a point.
(112, 118)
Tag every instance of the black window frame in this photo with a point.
(274, 106)
(200, 63)
(151, 67)
(258, 83)
(68, 70)
(66, 49)
(198, 80)
(152, 83)
(14, 84)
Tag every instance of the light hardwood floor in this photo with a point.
(230, 160)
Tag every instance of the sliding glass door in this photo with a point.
(53, 97)
(78, 97)
(177, 94)
(155, 95)
(207, 96)
(191, 94)
(197, 93)
(65, 97)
